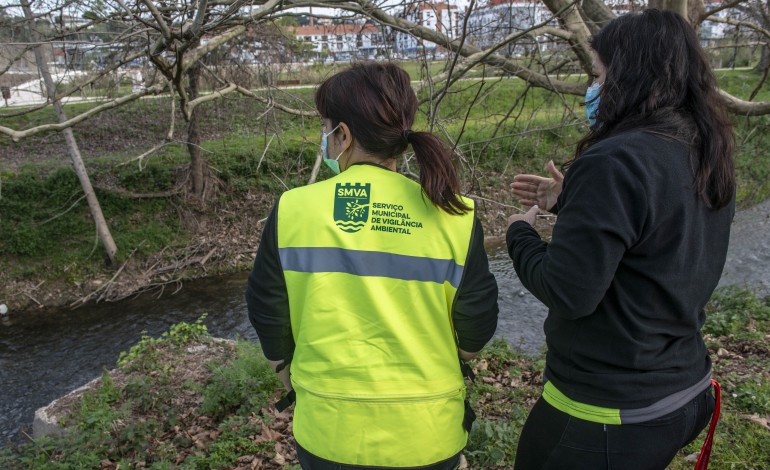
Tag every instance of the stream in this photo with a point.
(44, 356)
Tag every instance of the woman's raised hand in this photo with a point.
(538, 190)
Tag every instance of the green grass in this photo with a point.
(137, 418)
(506, 386)
(46, 219)
(737, 328)
(741, 83)
(153, 416)
(45, 226)
(737, 313)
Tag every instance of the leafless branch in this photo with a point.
(745, 108)
(724, 6)
(264, 152)
(18, 135)
(104, 289)
(140, 158)
(160, 22)
(746, 24)
(481, 56)
(271, 102)
(466, 50)
(62, 213)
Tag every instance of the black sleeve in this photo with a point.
(267, 298)
(602, 208)
(555, 209)
(475, 308)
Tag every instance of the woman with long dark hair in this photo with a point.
(371, 288)
(644, 213)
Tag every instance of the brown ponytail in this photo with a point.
(377, 102)
(438, 177)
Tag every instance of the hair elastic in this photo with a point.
(406, 134)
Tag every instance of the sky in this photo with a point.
(459, 3)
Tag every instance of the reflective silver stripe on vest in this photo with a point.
(371, 263)
(667, 405)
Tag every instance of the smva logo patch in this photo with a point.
(351, 206)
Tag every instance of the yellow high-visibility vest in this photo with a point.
(372, 268)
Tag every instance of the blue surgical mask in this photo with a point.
(592, 102)
(332, 163)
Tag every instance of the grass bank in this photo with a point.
(49, 252)
(187, 401)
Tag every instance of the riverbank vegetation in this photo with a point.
(49, 250)
(188, 401)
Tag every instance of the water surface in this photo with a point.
(44, 356)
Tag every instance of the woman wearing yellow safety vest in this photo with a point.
(644, 214)
(370, 287)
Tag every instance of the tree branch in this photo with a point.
(479, 57)
(216, 94)
(196, 54)
(569, 15)
(596, 13)
(465, 50)
(271, 102)
(723, 6)
(743, 107)
(18, 135)
(747, 24)
(159, 20)
(200, 14)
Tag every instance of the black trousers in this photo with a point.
(309, 461)
(552, 439)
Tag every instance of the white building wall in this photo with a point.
(343, 42)
(491, 24)
(439, 17)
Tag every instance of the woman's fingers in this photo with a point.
(533, 189)
(525, 197)
(527, 190)
(526, 193)
(528, 202)
(524, 187)
(529, 179)
(554, 172)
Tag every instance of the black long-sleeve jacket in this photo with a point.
(634, 257)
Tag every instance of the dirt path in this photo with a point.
(748, 258)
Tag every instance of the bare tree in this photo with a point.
(202, 50)
(180, 36)
(77, 161)
(757, 12)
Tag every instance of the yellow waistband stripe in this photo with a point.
(596, 414)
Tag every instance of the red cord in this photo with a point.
(705, 451)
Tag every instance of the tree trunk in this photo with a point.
(764, 60)
(691, 10)
(596, 14)
(695, 11)
(72, 145)
(197, 164)
(677, 6)
(572, 21)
